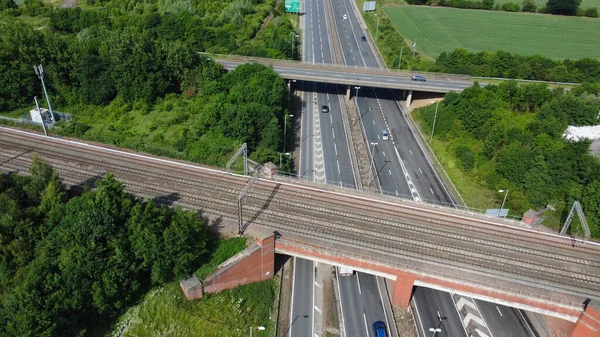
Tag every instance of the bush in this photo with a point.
(465, 157)
(6, 4)
(511, 7)
(487, 4)
(529, 6)
(563, 7)
(591, 12)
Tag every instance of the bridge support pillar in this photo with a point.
(588, 324)
(348, 93)
(408, 99)
(403, 288)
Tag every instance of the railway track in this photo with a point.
(481, 250)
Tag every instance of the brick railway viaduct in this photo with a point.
(257, 263)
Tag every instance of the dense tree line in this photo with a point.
(123, 64)
(69, 263)
(511, 137)
(558, 7)
(506, 65)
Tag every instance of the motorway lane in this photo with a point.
(504, 321)
(302, 312)
(429, 303)
(361, 304)
(306, 165)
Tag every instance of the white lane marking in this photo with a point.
(419, 317)
(387, 322)
(358, 281)
(338, 165)
(335, 148)
(431, 190)
(373, 122)
(420, 170)
(390, 171)
(366, 329)
(383, 153)
(317, 284)
(333, 132)
(378, 137)
(331, 119)
(500, 312)
(410, 152)
(328, 96)
(317, 309)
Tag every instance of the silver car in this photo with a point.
(384, 135)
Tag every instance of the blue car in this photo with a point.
(379, 328)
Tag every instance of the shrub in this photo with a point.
(591, 12)
(465, 157)
(511, 7)
(529, 6)
(487, 4)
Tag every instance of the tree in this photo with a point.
(563, 7)
(487, 4)
(591, 12)
(6, 4)
(529, 6)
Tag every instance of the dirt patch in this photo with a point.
(405, 321)
(331, 322)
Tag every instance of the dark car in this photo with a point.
(379, 328)
(418, 78)
(364, 38)
(325, 108)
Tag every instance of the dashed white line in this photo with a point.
(331, 119)
(410, 152)
(383, 153)
(420, 170)
(335, 148)
(358, 280)
(333, 133)
(366, 329)
(499, 311)
(390, 171)
(431, 190)
(373, 122)
(338, 166)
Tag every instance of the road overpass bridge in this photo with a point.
(354, 76)
(408, 242)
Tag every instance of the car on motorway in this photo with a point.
(345, 17)
(385, 135)
(379, 328)
(418, 78)
(325, 109)
(363, 38)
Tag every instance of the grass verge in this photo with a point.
(164, 311)
(438, 30)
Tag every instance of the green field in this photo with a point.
(445, 29)
(542, 3)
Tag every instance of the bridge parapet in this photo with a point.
(407, 274)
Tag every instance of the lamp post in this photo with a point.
(434, 118)
(377, 31)
(372, 162)
(261, 328)
(503, 201)
(285, 128)
(39, 71)
(435, 331)
(356, 94)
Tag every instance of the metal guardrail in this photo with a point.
(521, 80)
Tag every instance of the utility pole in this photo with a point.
(39, 71)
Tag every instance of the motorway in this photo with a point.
(402, 168)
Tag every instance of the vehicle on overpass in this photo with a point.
(346, 271)
(379, 328)
(418, 78)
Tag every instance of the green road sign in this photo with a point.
(292, 6)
